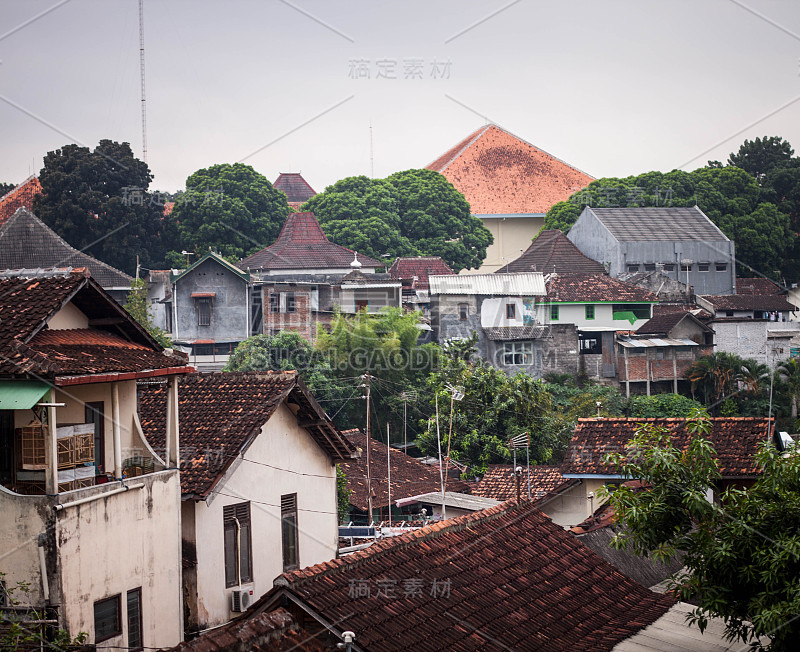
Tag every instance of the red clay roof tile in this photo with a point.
(415, 271)
(295, 187)
(20, 197)
(500, 173)
(499, 483)
(550, 252)
(757, 285)
(566, 288)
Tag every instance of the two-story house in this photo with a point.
(258, 485)
(90, 513)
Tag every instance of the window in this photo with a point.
(686, 267)
(289, 531)
(702, 267)
(273, 302)
(590, 343)
(256, 314)
(135, 640)
(204, 312)
(290, 303)
(639, 310)
(517, 353)
(553, 313)
(107, 623)
(238, 552)
(590, 311)
(721, 267)
(511, 311)
(463, 311)
(669, 267)
(633, 267)
(649, 267)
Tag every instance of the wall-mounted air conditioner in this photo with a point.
(241, 599)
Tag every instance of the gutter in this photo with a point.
(65, 381)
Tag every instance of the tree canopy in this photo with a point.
(755, 201)
(138, 307)
(98, 201)
(230, 208)
(410, 213)
(741, 554)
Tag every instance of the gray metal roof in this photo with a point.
(671, 633)
(452, 499)
(518, 285)
(652, 342)
(664, 223)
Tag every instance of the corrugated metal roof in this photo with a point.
(669, 224)
(642, 343)
(526, 284)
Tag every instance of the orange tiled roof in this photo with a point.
(499, 482)
(499, 173)
(21, 197)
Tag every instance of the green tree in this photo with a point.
(342, 495)
(760, 156)
(229, 208)
(715, 376)
(741, 554)
(789, 372)
(138, 307)
(98, 201)
(662, 405)
(6, 188)
(410, 213)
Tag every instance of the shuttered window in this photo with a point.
(107, 621)
(238, 548)
(289, 531)
(135, 619)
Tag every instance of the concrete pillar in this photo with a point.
(116, 431)
(51, 455)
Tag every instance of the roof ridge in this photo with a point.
(474, 136)
(377, 549)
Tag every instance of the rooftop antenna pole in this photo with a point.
(439, 443)
(141, 66)
(369, 470)
(389, 469)
(371, 154)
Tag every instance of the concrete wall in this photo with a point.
(123, 542)
(574, 505)
(512, 236)
(282, 444)
(762, 340)
(68, 317)
(376, 298)
(230, 307)
(575, 313)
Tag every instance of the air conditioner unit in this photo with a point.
(241, 599)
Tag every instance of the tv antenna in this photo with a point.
(141, 69)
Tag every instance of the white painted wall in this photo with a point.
(762, 340)
(284, 445)
(122, 542)
(68, 317)
(575, 313)
(574, 506)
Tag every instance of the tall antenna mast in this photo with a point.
(371, 154)
(141, 66)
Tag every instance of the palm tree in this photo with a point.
(716, 376)
(789, 371)
(752, 375)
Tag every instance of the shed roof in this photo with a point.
(522, 285)
(669, 224)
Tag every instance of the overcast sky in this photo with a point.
(613, 87)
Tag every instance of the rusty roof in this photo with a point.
(502, 174)
(301, 244)
(757, 285)
(409, 476)
(552, 251)
(222, 413)
(765, 302)
(735, 440)
(502, 578)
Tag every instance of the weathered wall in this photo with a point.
(560, 349)
(230, 305)
(574, 505)
(297, 465)
(512, 236)
(301, 320)
(68, 317)
(123, 542)
(748, 338)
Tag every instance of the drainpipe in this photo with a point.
(42, 540)
(176, 451)
(116, 430)
(52, 447)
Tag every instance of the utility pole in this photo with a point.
(369, 469)
(389, 472)
(406, 396)
(455, 395)
(439, 443)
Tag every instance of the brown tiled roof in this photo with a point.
(20, 197)
(499, 482)
(499, 173)
(662, 324)
(757, 285)
(269, 630)
(552, 251)
(222, 413)
(415, 271)
(765, 302)
(301, 244)
(295, 187)
(566, 288)
(409, 477)
(28, 243)
(29, 300)
(505, 578)
(735, 440)
(509, 333)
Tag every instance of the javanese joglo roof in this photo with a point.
(500, 173)
(220, 416)
(409, 477)
(505, 578)
(115, 345)
(735, 440)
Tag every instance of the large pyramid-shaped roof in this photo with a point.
(295, 187)
(502, 174)
(20, 197)
(550, 252)
(301, 244)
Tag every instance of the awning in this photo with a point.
(203, 295)
(21, 394)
